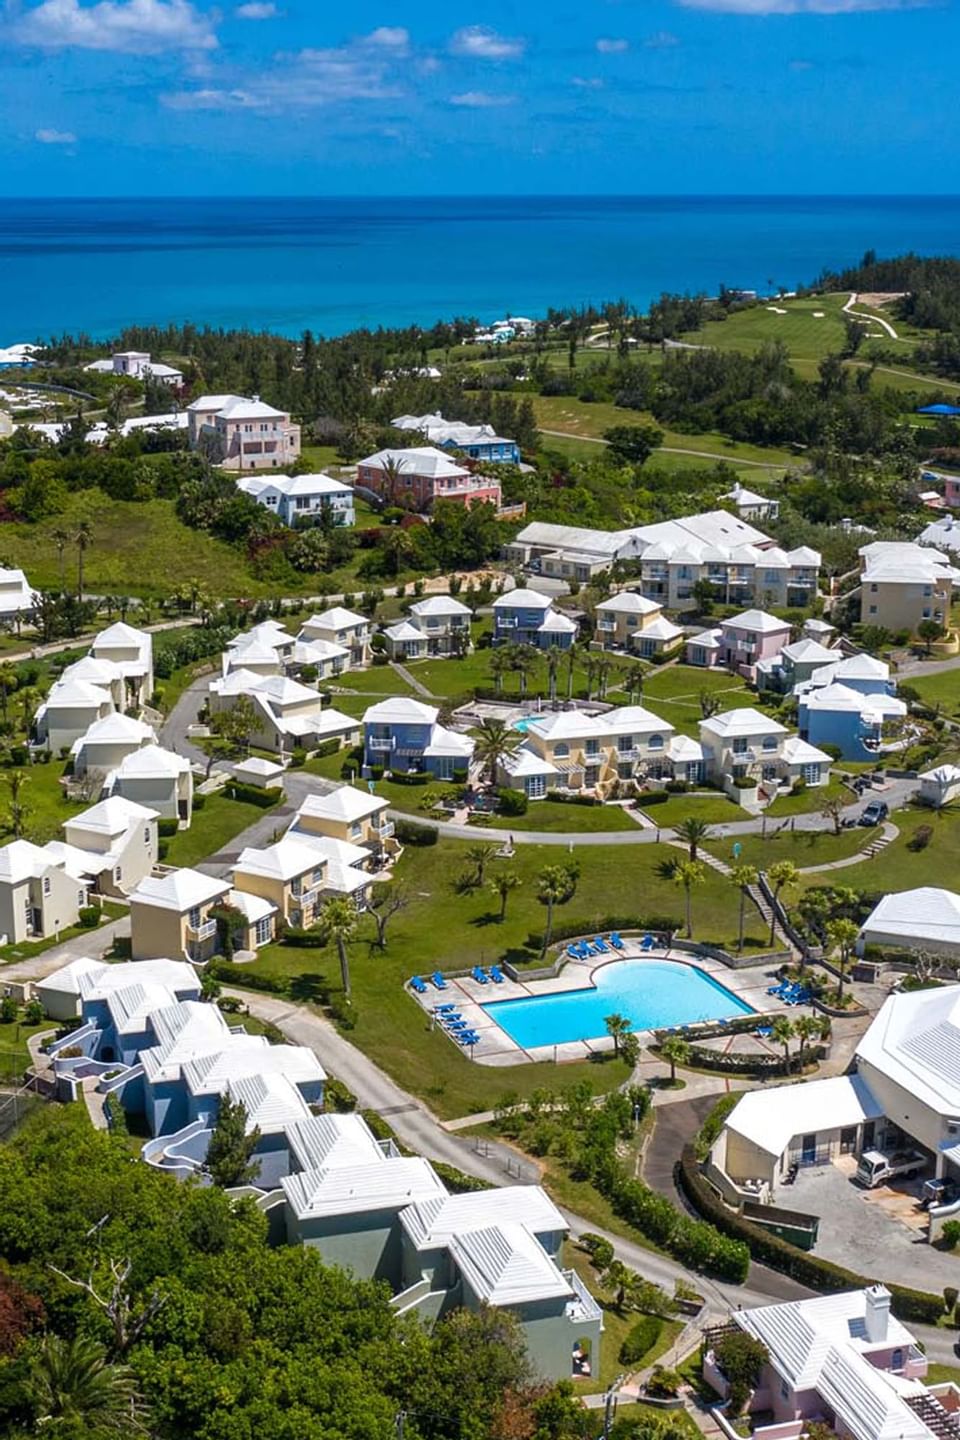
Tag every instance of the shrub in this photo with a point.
(652, 797)
(512, 802)
(343, 1012)
(326, 747)
(72, 1052)
(8, 1009)
(33, 1013)
(599, 1249)
(664, 1384)
(456, 1181)
(410, 777)
(920, 838)
(950, 1234)
(298, 756)
(167, 826)
(89, 916)
(460, 775)
(950, 1294)
(338, 1097)
(565, 797)
(163, 849)
(640, 1339)
(678, 787)
(251, 795)
(199, 801)
(741, 1358)
(409, 832)
(303, 939)
(252, 979)
(376, 772)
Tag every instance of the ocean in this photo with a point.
(332, 265)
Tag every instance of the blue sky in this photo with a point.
(629, 96)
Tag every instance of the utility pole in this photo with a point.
(400, 1420)
(610, 1406)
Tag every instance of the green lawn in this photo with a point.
(443, 929)
(714, 809)
(26, 948)
(900, 868)
(811, 800)
(803, 335)
(674, 694)
(379, 680)
(211, 829)
(616, 1327)
(557, 817)
(14, 1055)
(803, 847)
(942, 690)
(46, 805)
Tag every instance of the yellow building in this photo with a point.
(289, 874)
(629, 621)
(170, 916)
(903, 584)
(347, 814)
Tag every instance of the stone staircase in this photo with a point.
(888, 836)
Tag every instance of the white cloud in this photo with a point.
(391, 37)
(587, 82)
(481, 100)
(257, 10)
(482, 43)
(215, 100)
(800, 7)
(132, 27)
(55, 137)
(612, 47)
(661, 40)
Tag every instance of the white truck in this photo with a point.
(876, 1167)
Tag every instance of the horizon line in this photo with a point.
(511, 195)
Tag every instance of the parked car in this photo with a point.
(875, 813)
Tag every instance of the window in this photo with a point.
(873, 589)
(811, 774)
(896, 1360)
(740, 745)
(146, 834)
(771, 577)
(354, 829)
(592, 749)
(317, 876)
(193, 917)
(46, 884)
(873, 609)
(264, 928)
(624, 742)
(769, 742)
(784, 1389)
(655, 742)
(118, 874)
(536, 786)
(561, 751)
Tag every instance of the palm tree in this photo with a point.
(556, 884)
(499, 663)
(479, 855)
(689, 873)
(8, 683)
(617, 1027)
(590, 665)
(843, 935)
(694, 833)
(29, 698)
(525, 658)
(604, 666)
(339, 922)
(633, 681)
(676, 1051)
(75, 1383)
(16, 780)
(806, 1028)
(82, 538)
(553, 657)
(744, 877)
(392, 470)
(495, 742)
(783, 875)
(501, 885)
(61, 539)
(781, 1033)
(572, 657)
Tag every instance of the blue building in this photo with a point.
(526, 617)
(403, 735)
(479, 442)
(862, 727)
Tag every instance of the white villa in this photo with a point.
(289, 715)
(747, 746)
(343, 628)
(301, 499)
(108, 742)
(132, 652)
(17, 599)
(439, 625)
(158, 778)
(138, 365)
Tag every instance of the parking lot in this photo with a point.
(879, 1232)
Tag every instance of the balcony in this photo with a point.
(386, 830)
(381, 743)
(607, 626)
(204, 931)
(583, 1307)
(628, 752)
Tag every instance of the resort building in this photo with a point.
(59, 992)
(750, 638)
(844, 1361)
(17, 598)
(108, 742)
(253, 657)
(243, 434)
(41, 893)
(132, 652)
(629, 621)
(289, 874)
(288, 715)
(157, 778)
(63, 991)
(343, 628)
(137, 365)
(927, 919)
(68, 712)
(403, 734)
(347, 814)
(568, 552)
(525, 617)
(118, 840)
(750, 506)
(478, 442)
(944, 534)
(795, 664)
(940, 786)
(302, 499)
(743, 746)
(416, 478)
(171, 916)
(439, 625)
(903, 584)
(850, 704)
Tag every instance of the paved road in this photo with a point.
(876, 319)
(89, 944)
(173, 731)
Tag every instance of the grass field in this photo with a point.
(804, 847)
(803, 334)
(211, 829)
(899, 867)
(443, 929)
(714, 809)
(809, 801)
(47, 806)
(942, 690)
(556, 818)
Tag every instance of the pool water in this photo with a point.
(521, 726)
(652, 994)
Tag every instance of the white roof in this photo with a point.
(210, 402)
(272, 1102)
(309, 485)
(799, 752)
(238, 682)
(682, 747)
(770, 1119)
(239, 408)
(121, 636)
(116, 728)
(113, 816)
(521, 599)
(316, 652)
(746, 721)
(281, 690)
(740, 495)
(151, 761)
(250, 651)
(259, 768)
(629, 602)
(505, 1265)
(925, 916)
(634, 719)
(179, 890)
(600, 544)
(95, 671)
(440, 605)
(21, 860)
(76, 694)
(344, 861)
(706, 639)
(268, 632)
(132, 1005)
(555, 620)
(175, 975)
(841, 697)
(183, 1031)
(418, 460)
(525, 761)
(251, 907)
(661, 629)
(346, 803)
(285, 860)
(432, 1222)
(400, 710)
(403, 630)
(808, 652)
(945, 532)
(384, 1184)
(337, 618)
(758, 620)
(568, 725)
(894, 562)
(942, 774)
(328, 1141)
(244, 1055)
(66, 980)
(915, 1040)
(449, 742)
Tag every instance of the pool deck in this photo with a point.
(496, 1047)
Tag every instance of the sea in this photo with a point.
(331, 264)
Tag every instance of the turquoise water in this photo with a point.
(522, 726)
(333, 264)
(653, 994)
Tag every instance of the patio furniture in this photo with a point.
(601, 945)
(615, 940)
(417, 984)
(497, 975)
(479, 975)
(438, 980)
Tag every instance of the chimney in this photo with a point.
(877, 1315)
(256, 399)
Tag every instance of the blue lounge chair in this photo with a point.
(417, 984)
(438, 980)
(774, 989)
(601, 945)
(460, 1027)
(615, 940)
(764, 1031)
(648, 943)
(574, 952)
(445, 1008)
(451, 1017)
(470, 1039)
(497, 975)
(587, 948)
(479, 975)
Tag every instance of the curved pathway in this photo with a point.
(672, 449)
(861, 315)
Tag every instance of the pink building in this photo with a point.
(841, 1359)
(751, 636)
(419, 476)
(243, 434)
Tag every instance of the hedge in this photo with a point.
(411, 777)
(734, 1063)
(570, 930)
(640, 1339)
(167, 826)
(511, 802)
(326, 747)
(305, 939)
(408, 832)
(562, 797)
(249, 979)
(457, 1181)
(652, 797)
(251, 795)
(806, 1269)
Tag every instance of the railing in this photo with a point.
(204, 931)
(606, 626)
(386, 830)
(584, 1307)
(381, 742)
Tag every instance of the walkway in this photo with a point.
(411, 680)
(876, 319)
(675, 449)
(89, 944)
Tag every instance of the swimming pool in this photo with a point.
(521, 726)
(653, 994)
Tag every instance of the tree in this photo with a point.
(676, 1051)
(688, 874)
(229, 1155)
(556, 885)
(929, 631)
(8, 683)
(61, 539)
(842, 936)
(573, 655)
(742, 1359)
(553, 656)
(83, 539)
(744, 877)
(694, 833)
(76, 1385)
(339, 922)
(480, 855)
(709, 704)
(782, 875)
(232, 729)
(781, 1033)
(495, 742)
(17, 780)
(633, 681)
(498, 668)
(806, 1028)
(387, 901)
(633, 444)
(618, 1278)
(618, 1027)
(501, 885)
(705, 594)
(833, 811)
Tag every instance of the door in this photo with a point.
(808, 1149)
